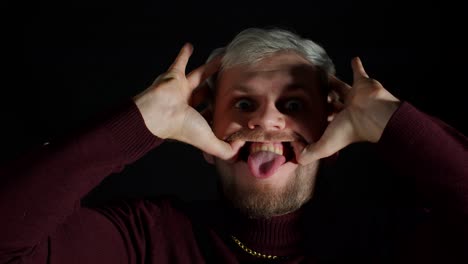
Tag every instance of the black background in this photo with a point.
(66, 62)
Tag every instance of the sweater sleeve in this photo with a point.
(432, 153)
(432, 158)
(42, 188)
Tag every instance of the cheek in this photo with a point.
(311, 124)
(224, 124)
(218, 123)
(225, 130)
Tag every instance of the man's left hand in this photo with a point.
(362, 113)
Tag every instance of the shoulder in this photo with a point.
(149, 210)
(166, 212)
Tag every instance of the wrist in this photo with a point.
(382, 116)
(144, 103)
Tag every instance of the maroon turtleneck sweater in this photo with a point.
(41, 220)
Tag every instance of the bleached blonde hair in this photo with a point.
(254, 44)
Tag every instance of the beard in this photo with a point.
(262, 200)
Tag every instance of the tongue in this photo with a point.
(263, 164)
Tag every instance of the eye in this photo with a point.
(244, 104)
(293, 105)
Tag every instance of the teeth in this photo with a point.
(267, 146)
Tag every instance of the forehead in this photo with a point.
(276, 72)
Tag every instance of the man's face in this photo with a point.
(269, 105)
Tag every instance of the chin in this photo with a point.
(284, 191)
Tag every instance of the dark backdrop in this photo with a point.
(64, 63)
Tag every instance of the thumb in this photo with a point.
(219, 148)
(198, 133)
(337, 135)
(358, 69)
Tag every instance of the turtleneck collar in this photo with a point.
(280, 235)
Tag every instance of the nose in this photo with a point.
(267, 118)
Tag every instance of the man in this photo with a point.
(277, 117)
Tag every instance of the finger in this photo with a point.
(216, 147)
(209, 143)
(199, 134)
(339, 86)
(180, 63)
(226, 151)
(201, 73)
(337, 136)
(358, 69)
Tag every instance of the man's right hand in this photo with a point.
(166, 111)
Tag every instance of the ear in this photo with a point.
(333, 106)
(209, 158)
(202, 100)
(330, 116)
(201, 97)
(330, 111)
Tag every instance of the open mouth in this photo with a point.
(287, 150)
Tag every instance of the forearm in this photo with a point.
(42, 188)
(431, 152)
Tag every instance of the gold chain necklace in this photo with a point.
(255, 253)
